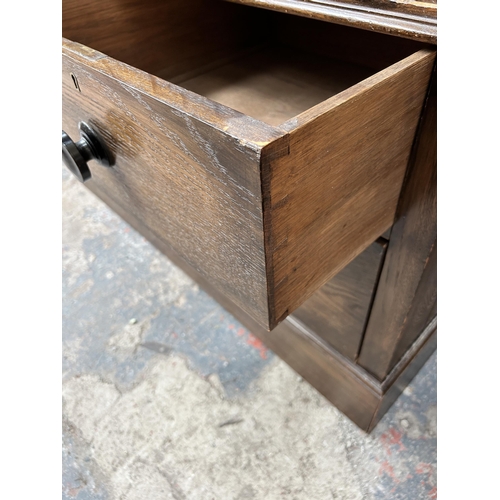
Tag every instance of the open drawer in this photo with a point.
(265, 149)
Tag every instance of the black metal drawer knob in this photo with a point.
(91, 146)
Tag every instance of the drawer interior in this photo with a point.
(276, 83)
(268, 65)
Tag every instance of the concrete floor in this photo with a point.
(167, 396)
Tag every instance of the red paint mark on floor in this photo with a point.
(427, 470)
(127, 230)
(230, 326)
(240, 332)
(253, 341)
(388, 469)
(174, 335)
(422, 468)
(73, 492)
(392, 438)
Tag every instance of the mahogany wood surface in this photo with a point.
(339, 310)
(406, 292)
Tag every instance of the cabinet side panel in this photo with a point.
(423, 308)
(410, 251)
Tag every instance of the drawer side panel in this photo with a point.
(338, 188)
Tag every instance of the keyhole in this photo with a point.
(75, 81)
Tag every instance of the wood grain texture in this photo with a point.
(165, 38)
(338, 311)
(187, 169)
(351, 390)
(408, 19)
(410, 251)
(346, 385)
(365, 48)
(423, 308)
(276, 83)
(331, 187)
(261, 216)
(268, 213)
(403, 372)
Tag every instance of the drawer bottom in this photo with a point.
(275, 84)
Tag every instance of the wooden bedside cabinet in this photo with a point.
(281, 157)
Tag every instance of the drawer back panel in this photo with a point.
(178, 39)
(166, 38)
(356, 46)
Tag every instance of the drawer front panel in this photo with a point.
(190, 183)
(338, 311)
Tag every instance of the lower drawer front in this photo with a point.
(339, 310)
(267, 212)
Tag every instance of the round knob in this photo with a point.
(90, 147)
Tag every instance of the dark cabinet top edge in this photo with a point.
(416, 20)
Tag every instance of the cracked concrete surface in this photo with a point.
(166, 396)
